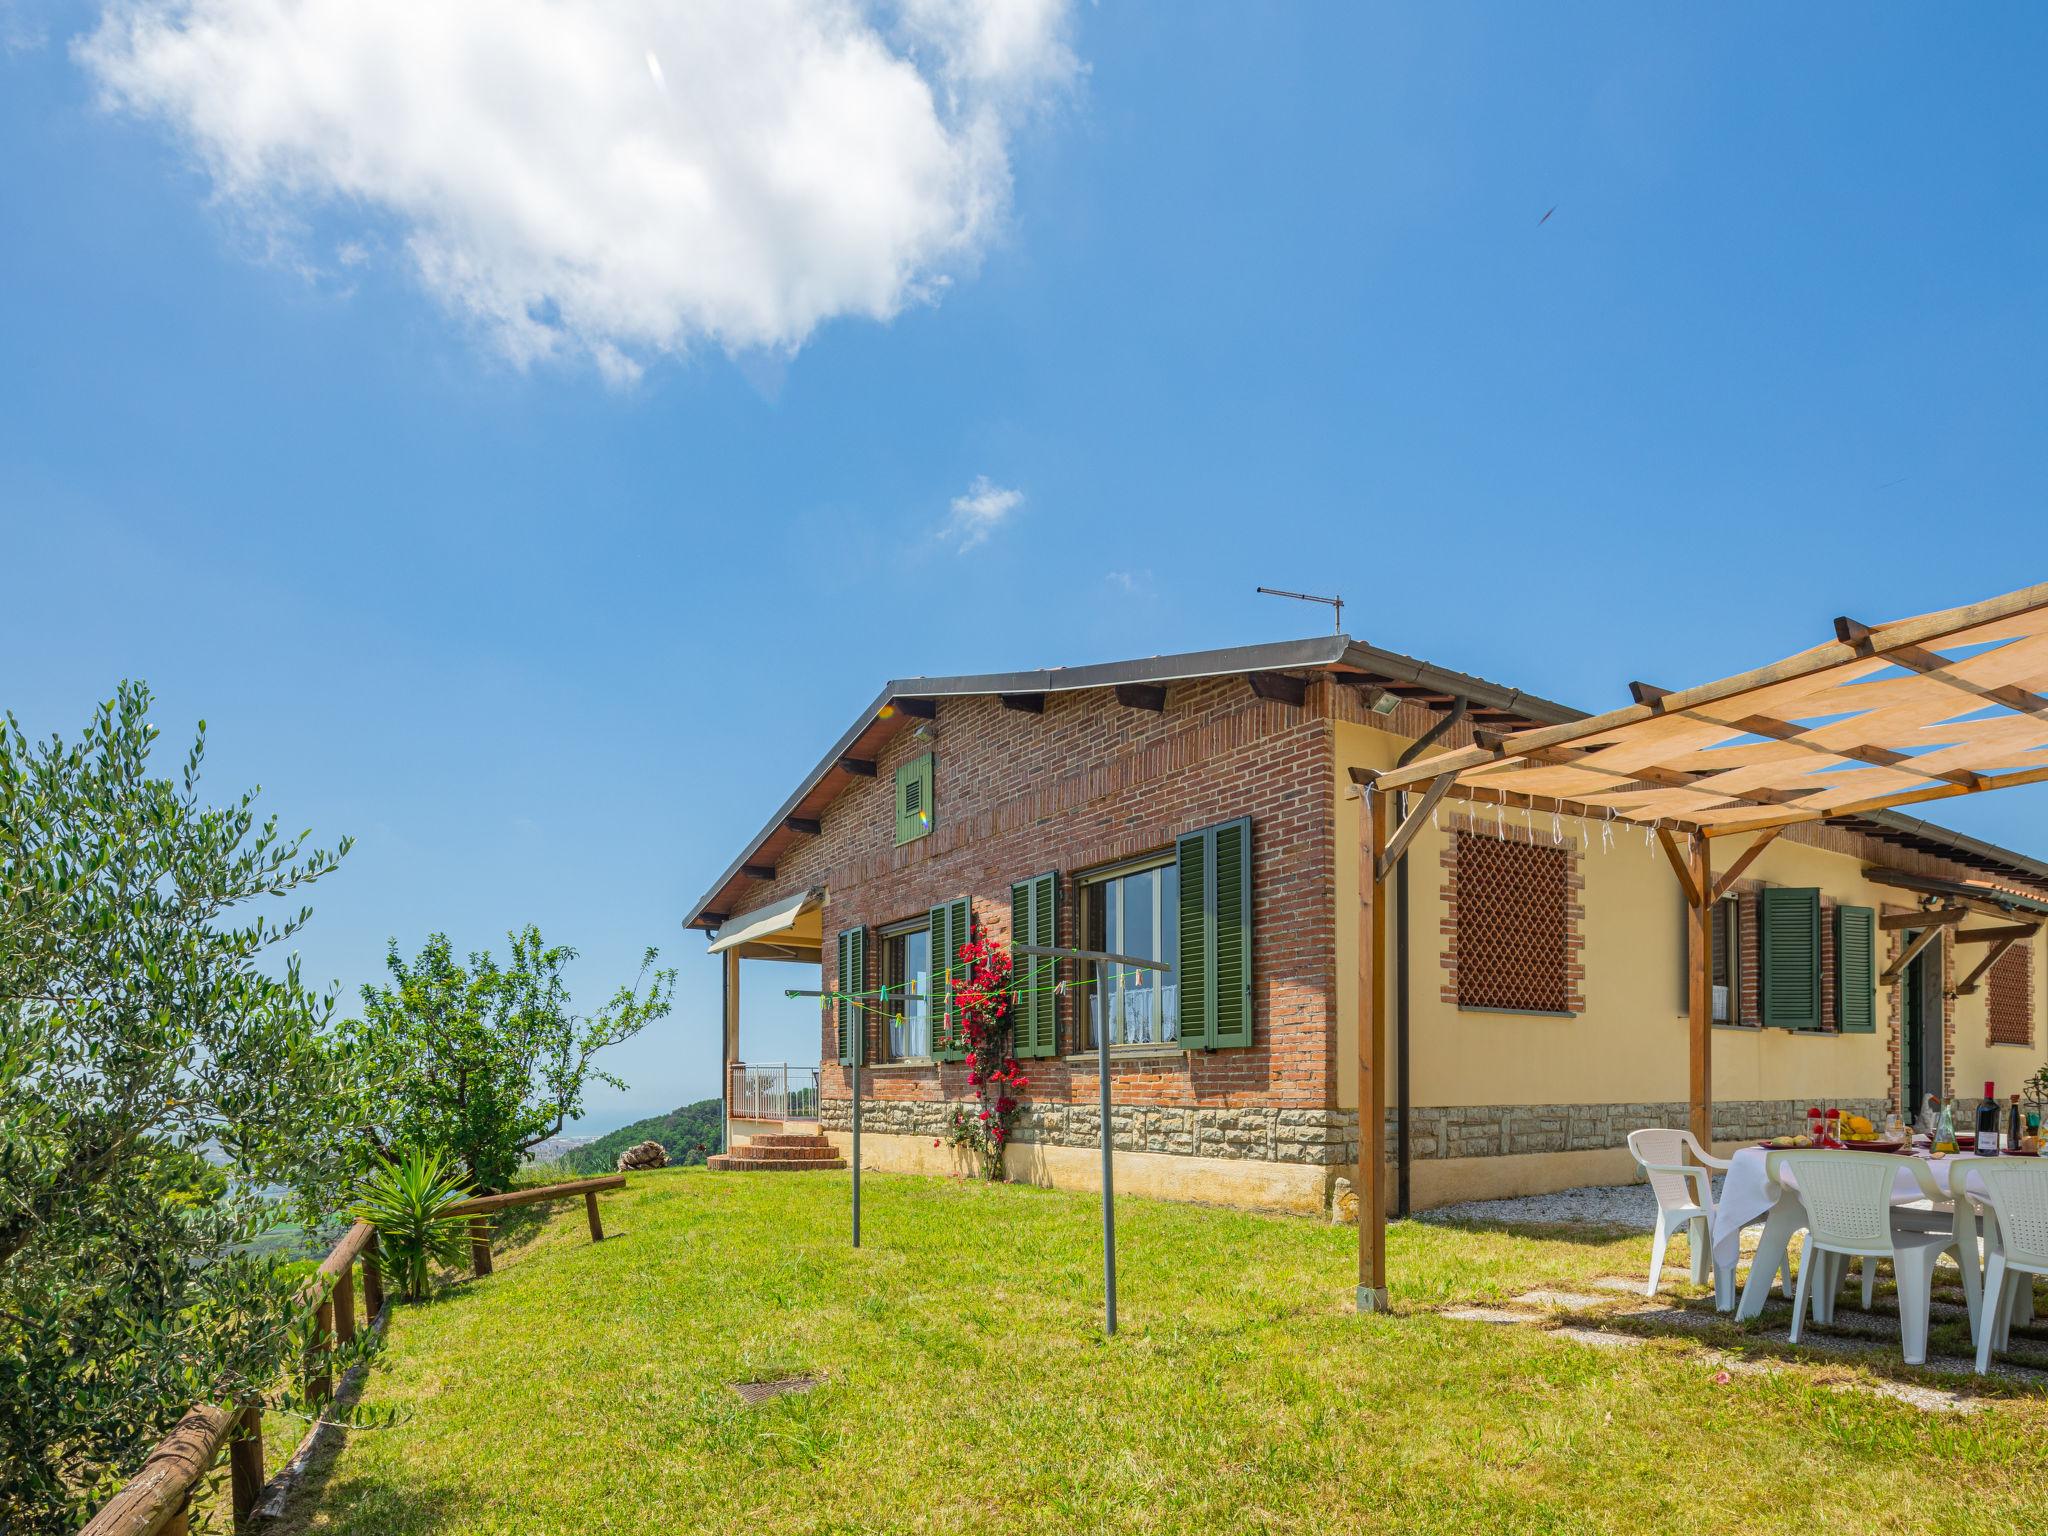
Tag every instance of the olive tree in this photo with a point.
(167, 1092)
(484, 1061)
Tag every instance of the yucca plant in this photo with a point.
(407, 1201)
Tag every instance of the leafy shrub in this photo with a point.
(407, 1201)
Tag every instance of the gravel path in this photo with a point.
(1629, 1206)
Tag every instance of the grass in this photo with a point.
(968, 1388)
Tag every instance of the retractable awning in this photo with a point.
(789, 929)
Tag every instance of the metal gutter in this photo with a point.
(1321, 653)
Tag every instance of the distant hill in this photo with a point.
(687, 1135)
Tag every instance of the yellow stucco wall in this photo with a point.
(1976, 1059)
(1630, 1043)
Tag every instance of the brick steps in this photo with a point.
(783, 1152)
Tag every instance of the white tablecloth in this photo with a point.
(1747, 1195)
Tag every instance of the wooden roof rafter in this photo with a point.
(1895, 714)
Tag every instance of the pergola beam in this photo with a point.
(1911, 953)
(1679, 867)
(1917, 658)
(1411, 825)
(1882, 641)
(1743, 860)
(2002, 935)
(1996, 953)
(1899, 922)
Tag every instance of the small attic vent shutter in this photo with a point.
(914, 800)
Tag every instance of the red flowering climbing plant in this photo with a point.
(982, 1005)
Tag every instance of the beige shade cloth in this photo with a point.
(789, 929)
(1945, 704)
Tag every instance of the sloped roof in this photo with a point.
(1275, 669)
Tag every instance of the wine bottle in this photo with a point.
(2014, 1130)
(1987, 1122)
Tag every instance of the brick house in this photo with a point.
(1195, 809)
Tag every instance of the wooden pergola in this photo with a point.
(1884, 715)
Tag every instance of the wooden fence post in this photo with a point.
(320, 1358)
(180, 1524)
(373, 1280)
(596, 1226)
(345, 1306)
(245, 1462)
(479, 1245)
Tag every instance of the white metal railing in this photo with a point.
(773, 1090)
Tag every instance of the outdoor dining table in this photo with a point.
(1747, 1192)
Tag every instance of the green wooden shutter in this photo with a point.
(1197, 944)
(1215, 977)
(1034, 906)
(914, 800)
(1856, 970)
(1789, 918)
(951, 925)
(851, 980)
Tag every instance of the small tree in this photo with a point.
(484, 1062)
(156, 1089)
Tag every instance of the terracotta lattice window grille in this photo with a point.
(1514, 929)
(2009, 997)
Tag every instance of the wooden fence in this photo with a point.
(156, 1500)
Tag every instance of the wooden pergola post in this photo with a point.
(729, 997)
(1695, 872)
(1372, 1052)
(1700, 992)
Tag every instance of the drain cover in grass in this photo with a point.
(753, 1392)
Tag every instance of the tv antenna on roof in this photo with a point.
(1310, 597)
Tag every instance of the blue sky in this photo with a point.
(550, 611)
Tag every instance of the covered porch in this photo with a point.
(762, 1097)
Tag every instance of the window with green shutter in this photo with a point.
(914, 800)
(1034, 912)
(1215, 971)
(1856, 970)
(952, 925)
(851, 979)
(1788, 919)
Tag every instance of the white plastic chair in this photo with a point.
(2016, 1244)
(1685, 1195)
(1848, 1200)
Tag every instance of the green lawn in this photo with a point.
(586, 1388)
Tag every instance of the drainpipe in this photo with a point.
(1429, 738)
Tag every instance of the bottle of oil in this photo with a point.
(1944, 1129)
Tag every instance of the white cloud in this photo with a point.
(980, 512)
(613, 181)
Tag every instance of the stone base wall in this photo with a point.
(1511, 1130)
(1329, 1138)
(1261, 1135)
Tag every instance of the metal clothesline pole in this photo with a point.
(856, 1045)
(1101, 957)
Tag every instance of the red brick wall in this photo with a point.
(1086, 783)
